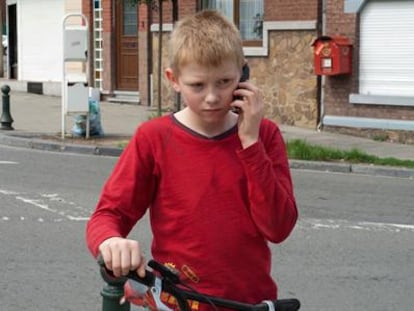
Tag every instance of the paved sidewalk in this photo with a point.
(37, 117)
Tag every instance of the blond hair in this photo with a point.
(207, 38)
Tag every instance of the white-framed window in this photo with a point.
(386, 63)
(246, 14)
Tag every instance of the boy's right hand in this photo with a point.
(122, 256)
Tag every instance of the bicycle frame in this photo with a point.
(169, 282)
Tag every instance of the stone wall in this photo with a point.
(286, 78)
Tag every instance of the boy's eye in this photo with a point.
(224, 82)
(197, 85)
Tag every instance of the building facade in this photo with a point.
(375, 98)
(35, 43)
(277, 36)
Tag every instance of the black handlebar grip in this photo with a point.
(109, 277)
(287, 304)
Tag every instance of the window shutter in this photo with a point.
(386, 64)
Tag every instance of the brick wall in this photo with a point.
(338, 88)
(283, 10)
(185, 7)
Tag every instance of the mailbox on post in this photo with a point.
(332, 55)
(75, 90)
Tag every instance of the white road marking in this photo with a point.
(337, 224)
(37, 204)
(51, 203)
(7, 192)
(8, 162)
(73, 212)
(77, 218)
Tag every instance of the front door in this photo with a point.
(127, 46)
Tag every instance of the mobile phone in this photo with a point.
(244, 77)
(245, 73)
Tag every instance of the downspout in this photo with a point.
(149, 53)
(175, 19)
(160, 21)
(321, 79)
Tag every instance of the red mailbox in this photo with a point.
(332, 55)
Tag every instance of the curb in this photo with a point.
(334, 167)
(40, 144)
(360, 169)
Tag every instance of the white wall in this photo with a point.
(40, 39)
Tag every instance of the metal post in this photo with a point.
(175, 19)
(112, 294)
(6, 119)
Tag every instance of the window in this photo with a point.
(386, 66)
(130, 18)
(246, 14)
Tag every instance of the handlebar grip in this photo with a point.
(287, 304)
(109, 277)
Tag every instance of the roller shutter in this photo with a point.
(387, 48)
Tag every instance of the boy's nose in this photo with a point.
(212, 96)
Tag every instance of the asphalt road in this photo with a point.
(351, 250)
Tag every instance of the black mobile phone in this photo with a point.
(244, 77)
(245, 73)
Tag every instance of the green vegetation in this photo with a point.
(301, 150)
(381, 137)
(122, 144)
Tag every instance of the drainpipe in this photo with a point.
(160, 22)
(321, 79)
(149, 53)
(175, 19)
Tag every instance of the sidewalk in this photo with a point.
(38, 117)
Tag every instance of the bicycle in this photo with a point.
(146, 292)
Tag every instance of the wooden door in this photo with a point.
(126, 46)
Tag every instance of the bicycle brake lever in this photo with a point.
(143, 296)
(165, 272)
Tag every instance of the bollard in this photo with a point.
(6, 119)
(112, 294)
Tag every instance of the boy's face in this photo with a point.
(207, 91)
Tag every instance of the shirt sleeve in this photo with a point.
(270, 189)
(125, 196)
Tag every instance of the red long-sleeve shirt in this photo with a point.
(213, 205)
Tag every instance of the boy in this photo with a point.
(216, 183)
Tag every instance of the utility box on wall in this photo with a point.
(332, 55)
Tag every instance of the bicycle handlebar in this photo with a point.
(169, 282)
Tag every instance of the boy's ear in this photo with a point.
(169, 73)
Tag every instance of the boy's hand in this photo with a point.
(122, 256)
(251, 112)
